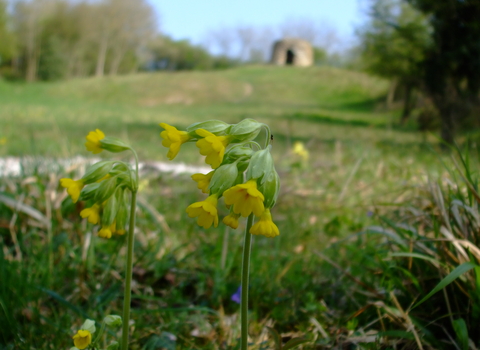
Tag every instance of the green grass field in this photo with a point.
(324, 277)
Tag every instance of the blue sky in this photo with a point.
(192, 19)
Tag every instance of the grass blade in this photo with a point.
(452, 276)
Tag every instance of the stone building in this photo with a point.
(295, 52)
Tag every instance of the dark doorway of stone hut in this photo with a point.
(290, 57)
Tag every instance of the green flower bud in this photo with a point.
(261, 166)
(89, 191)
(237, 152)
(122, 212)
(113, 145)
(113, 320)
(216, 127)
(270, 189)
(246, 130)
(97, 171)
(112, 346)
(88, 325)
(223, 178)
(110, 211)
(106, 189)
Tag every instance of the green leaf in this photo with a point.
(418, 256)
(292, 343)
(452, 276)
(276, 338)
(461, 330)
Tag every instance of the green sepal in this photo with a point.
(261, 166)
(223, 178)
(246, 130)
(106, 189)
(113, 320)
(216, 127)
(122, 212)
(110, 211)
(270, 189)
(89, 191)
(237, 152)
(113, 145)
(88, 325)
(97, 171)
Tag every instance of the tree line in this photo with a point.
(430, 50)
(56, 39)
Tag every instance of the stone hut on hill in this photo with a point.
(295, 52)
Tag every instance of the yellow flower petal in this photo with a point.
(82, 339)
(203, 180)
(93, 141)
(173, 139)
(73, 187)
(231, 220)
(212, 146)
(105, 232)
(205, 211)
(92, 213)
(265, 226)
(246, 198)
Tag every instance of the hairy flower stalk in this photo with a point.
(106, 184)
(243, 174)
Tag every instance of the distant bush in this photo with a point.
(169, 54)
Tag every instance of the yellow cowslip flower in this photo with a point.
(212, 146)
(173, 139)
(82, 339)
(246, 198)
(93, 141)
(300, 150)
(203, 180)
(265, 226)
(106, 231)
(206, 211)
(74, 187)
(3, 140)
(231, 220)
(92, 213)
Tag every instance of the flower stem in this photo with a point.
(247, 247)
(128, 274)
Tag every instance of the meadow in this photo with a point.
(369, 224)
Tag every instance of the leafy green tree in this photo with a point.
(394, 44)
(451, 64)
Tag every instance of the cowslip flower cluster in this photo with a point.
(234, 156)
(104, 186)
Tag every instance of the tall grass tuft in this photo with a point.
(423, 258)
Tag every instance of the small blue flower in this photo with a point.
(237, 296)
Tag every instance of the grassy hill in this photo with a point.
(318, 102)
(368, 188)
